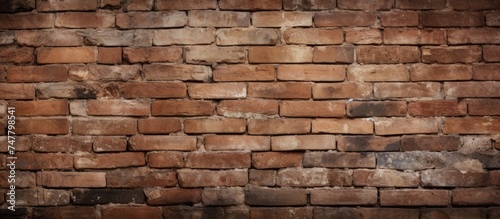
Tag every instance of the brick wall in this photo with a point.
(252, 109)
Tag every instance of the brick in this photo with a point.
(183, 36)
(115, 126)
(324, 213)
(339, 160)
(216, 160)
(158, 72)
(240, 142)
(362, 5)
(430, 143)
(281, 90)
(422, 72)
(399, 19)
(494, 212)
(385, 178)
(475, 5)
(472, 89)
(182, 108)
(368, 36)
(312, 109)
(453, 213)
(451, 19)
(313, 177)
(414, 197)
(420, 4)
(159, 126)
(471, 125)
(344, 197)
(109, 160)
(274, 160)
(112, 37)
(313, 36)
(309, 5)
(490, 53)
(41, 108)
(458, 54)
(280, 54)
(26, 21)
(185, 5)
(72, 5)
(341, 90)
(212, 54)
(104, 72)
(493, 19)
(23, 143)
(396, 126)
(116, 212)
(453, 178)
(49, 38)
(152, 54)
(161, 196)
(37, 73)
(333, 54)
(153, 90)
(205, 212)
(282, 19)
(110, 4)
(250, 6)
(367, 143)
(162, 142)
(107, 55)
(276, 212)
(217, 90)
(61, 144)
(84, 20)
(13, 54)
(7, 37)
(407, 90)
(72, 179)
(311, 72)
(258, 196)
(387, 54)
(166, 160)
(303, 142)
(473, 144)
(376, 108)
(215, 125)
(486, 72)
(437, 108)
(262, 177)
(342, 126)
(476, 196)
(139, 5)
(39, 161)
(17, 91)
(278, 126)
(199, 18)
(494, 176)
(377, 73)
(208, 178)
(344, 18)
(118, 107)
(105, 196)
(473, 36)
(18, 6)
(23, 179)
(243, 73)
(109, 143)
(160, 19)
(72, 91)
(480, 107)
(66, 55)
(42, 126)
(223, 196)
(245, 36)
(414, 36)
(64, 212)
(389, 213)
(247, 108)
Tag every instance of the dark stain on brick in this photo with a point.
(105, 196)
(368, 110)
(85, 93)
(10, 6)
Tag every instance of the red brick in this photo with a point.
(399, 19)
(363, 5)
(312, 109)
(420, 4)
(17, 91)
(245, 36)
(303, 142)
(118, 107)
(430, 143)
(185, 4)
(216, 160)
(212, 54)
(344, 18)
(217, 90)
(471, 125)
(339, 160)
(49, 38)
(414, 197)
(422, 72)
(139, 5)
(487, 72)
(282, 19)
(452, 19)
(493, 19)
(64, 144)
(166, 160)
(247, 107)
(37, 73)
(117, 212)
(215, 125)
(243, 73)
(26, 21)
(101, 126)
(414, 36)
(490, 53)
(407, 90)
(447, 55)
(387, 54)
(153, 90)
(71, 5)
(250, 5)
(429, 213)
(110, 4)
(376, 73)
(275, 197)
(66, 55)
(473, 36)
(280, 54)
(161, 19)
(262, 177)
(453, 178)
(65, 212)
(484, 107)
(152, 54)
(23, 143)
(314, 36)
(42, 126)
(385, 178)
(39, 161)
(279, 126)
(472, 89)
(161, 196)
(342, 126)
(474, 5)
(313, 177)
(162, 142)
(208, 178)
(239, 142)
(109, 160)
(160, 72)
(159, 126)
(109, 143)
(333, 54)
(431, 108)
(199, 18)
(367, 143)
(182, 108)
(104, 72)
(309, 4)
(13, 54)
(367, 36)
(72, 179)
(24, 179)
(274, 160)
(223, 196)
(344, 197)
(281, 90)
(376, 108)
(494, 176)
(41, 108)
(85, 20)
(311, 72)
(397, 126)
(341, 90)
(191, 36)
(476, 196)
